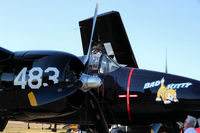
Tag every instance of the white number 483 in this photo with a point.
(35, 75)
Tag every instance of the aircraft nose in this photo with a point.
(188, 90)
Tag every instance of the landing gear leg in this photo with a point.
(101, 124)
(55, 128)
(49, 127)
(3, 123)
(171, 128)
(28, 125)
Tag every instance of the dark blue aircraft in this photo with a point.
(101, 88)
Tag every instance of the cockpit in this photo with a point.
(101, 63)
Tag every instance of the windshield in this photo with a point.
(94, 62)
(100, 63)
(108, 65)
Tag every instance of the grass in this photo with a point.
(21, 127)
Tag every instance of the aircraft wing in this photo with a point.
(4, 54)
(109, 38)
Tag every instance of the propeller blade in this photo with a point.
(61, 90)
(91, 37)
(51, 93)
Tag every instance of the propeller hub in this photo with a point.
(89, 82)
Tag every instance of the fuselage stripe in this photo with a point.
(125, 96)
(32, 99)
(128, 94)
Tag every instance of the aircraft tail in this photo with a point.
(5, 54)
(109, 38)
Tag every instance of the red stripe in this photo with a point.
(124, 96)
(128, 95)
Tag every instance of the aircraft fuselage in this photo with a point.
(127, 95)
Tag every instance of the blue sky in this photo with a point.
(151, 25)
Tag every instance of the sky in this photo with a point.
(151, 25)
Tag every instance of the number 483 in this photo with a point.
(35, 75)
